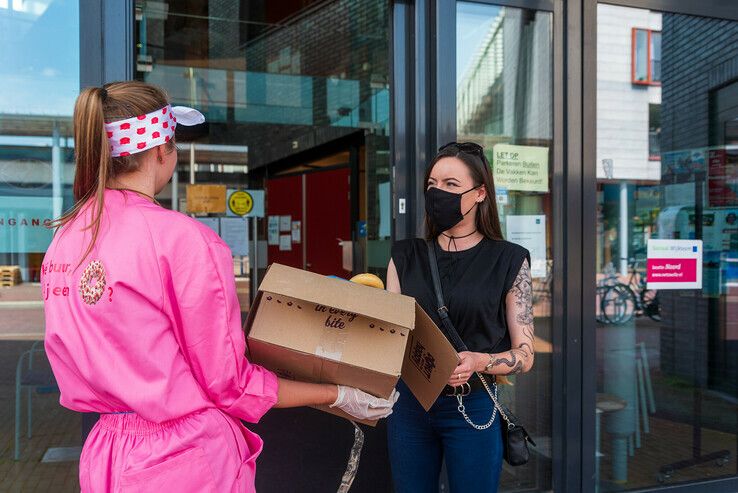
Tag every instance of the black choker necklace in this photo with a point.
(452, 239)
(459, 237)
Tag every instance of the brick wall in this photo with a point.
(693, 48)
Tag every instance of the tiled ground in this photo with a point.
(22, 292)
(21, 312)
(669, 442)
(53, 426)
(671, 435)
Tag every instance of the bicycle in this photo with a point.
(619, 301)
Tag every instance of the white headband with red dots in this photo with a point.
(143, 132)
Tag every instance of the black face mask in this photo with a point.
(444, 208)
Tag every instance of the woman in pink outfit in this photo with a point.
(142, 319)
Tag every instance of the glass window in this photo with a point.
(39, 69)
(640, 55)
(655, 56)
(287, 88)
(646, 56)
(667, 244)
(504, 102)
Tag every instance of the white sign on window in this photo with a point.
(530, 232)
(674, 264)
(235, 232)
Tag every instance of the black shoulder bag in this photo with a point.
(514, 437)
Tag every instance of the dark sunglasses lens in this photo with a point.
(467, 147)
(471, 148)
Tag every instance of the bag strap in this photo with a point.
(448, 326)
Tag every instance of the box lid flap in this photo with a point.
(364, 300)
(429, 360)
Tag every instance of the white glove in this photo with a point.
(361, 405)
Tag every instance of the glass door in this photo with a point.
(504, 102)
(41, 80)
(667, 249)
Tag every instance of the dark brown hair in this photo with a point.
(487, 219)
(94, 164)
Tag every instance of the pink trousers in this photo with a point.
(207, 451)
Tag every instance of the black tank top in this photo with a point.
(474, 282)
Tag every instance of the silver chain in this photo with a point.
(497, 407)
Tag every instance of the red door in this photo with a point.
(284, 198)
(328, 218)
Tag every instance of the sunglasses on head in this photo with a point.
(467, 147)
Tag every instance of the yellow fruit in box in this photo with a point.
(368, 280)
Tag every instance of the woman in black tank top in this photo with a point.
(486, 285)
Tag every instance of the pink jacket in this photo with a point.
(159, 331)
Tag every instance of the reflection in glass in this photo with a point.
(276, 81)
(39, 70)
(666, 405)
(504, 102)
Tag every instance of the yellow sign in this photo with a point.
(522, 168)
(206, 198)
(240, 203)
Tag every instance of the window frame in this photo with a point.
(633, 44)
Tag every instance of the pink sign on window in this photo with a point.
(672, 270)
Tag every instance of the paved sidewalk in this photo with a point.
(27, 291)
(21, 312)
(53, 426)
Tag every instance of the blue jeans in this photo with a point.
(418, 441)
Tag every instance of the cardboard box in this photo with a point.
(304, 326)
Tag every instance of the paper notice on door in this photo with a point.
(530, 232)
(296, 231)
(235, 232)
(273, 231)
(285, 224)
(285, 243)
(522, 168)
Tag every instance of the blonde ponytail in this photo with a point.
(94, 164)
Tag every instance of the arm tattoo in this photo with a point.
(514, 364)
(525, 347)
(515, 360)
(523, 290)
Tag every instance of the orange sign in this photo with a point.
(206, 199)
